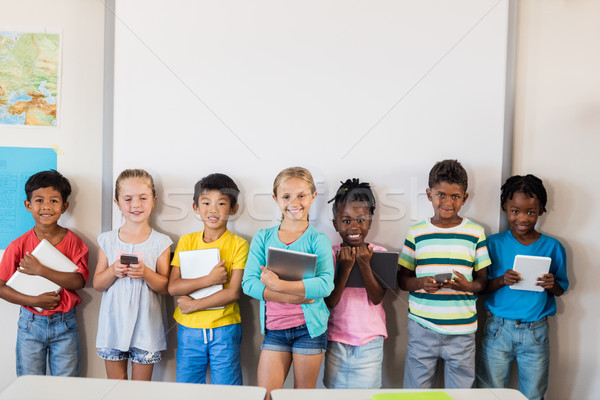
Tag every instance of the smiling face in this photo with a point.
(135, 199)
(294, 198)
(353, 221)
(46, 206)
(214, 208)
(447, 200)
(523, 212)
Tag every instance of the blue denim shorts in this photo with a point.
(295, 340)
(137, 355)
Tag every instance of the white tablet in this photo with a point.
(530, 268)
(199, 263)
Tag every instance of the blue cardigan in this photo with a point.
(318, 287)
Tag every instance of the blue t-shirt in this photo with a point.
(525, 305)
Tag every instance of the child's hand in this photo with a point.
(364, 254)
(459, 282)
(430, 285)
(346, 257)
(219, 274)
(47, 301)
(186, 304)
(136, 271)
(546, 281)
(269, 278)
(30, 265)
(120, 270)
(511, 277)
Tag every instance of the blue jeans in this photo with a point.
(53, 338)
(353, 367)
(506, 340)
(218, 347)
(136, 355)
(426, 347)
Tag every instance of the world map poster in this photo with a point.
(29, 78)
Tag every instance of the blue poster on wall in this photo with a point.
(17, 164)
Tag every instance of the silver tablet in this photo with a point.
(291, 265)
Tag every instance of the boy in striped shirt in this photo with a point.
(442, 314)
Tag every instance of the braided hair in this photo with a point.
(353, 190)
(529, 184)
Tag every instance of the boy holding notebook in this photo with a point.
(210, 329)
(50, 334)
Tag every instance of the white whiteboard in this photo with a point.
(378, 90)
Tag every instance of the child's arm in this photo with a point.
(179, 286)
(462, 284)
(106, 275)
(157, 281)
(345, 258)
(46, 301)
(510, 277)
(219, 299)
(547, 282)
(274, 284)
(409, 282)
(67, 280)
(374, 290)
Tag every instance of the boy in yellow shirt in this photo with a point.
(209, 336)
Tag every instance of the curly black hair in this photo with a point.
(44, 179)
(529, 184)
(449, 171)
(353, 190)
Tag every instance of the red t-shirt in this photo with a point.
(71, 246)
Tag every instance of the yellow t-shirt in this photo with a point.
(234, 250)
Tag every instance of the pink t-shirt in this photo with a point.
(355, 320)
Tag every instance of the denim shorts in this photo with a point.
(137, 355)
(295, 340)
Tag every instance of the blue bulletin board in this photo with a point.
(17, 164)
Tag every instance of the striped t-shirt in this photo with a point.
(429, 250)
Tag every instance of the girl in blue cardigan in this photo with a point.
(293, 314)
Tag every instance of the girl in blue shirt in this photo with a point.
(293, 314)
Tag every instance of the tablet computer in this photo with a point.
(530, 268)
(291, 265)
(384, 265)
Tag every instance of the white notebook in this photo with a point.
(530, 268)
(34, 285)
(196, 264)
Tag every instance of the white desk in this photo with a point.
(64, 388)
(365, 394)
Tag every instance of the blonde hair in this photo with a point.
(134, 174)
(294, 172)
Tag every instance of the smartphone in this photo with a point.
(129, 259)
(440, 278)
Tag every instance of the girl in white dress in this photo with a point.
(132, 316)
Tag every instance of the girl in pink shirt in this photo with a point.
(357, 322)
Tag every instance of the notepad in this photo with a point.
(34, 285)
(196, 264)
(530, 268)
(384, 265)
(412, 396)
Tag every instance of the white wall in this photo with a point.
(557, 128)
(79, 138)
(376, 90)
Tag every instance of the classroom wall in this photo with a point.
(557, 125)
(556, 135)
(78, 140)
